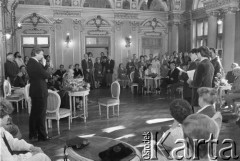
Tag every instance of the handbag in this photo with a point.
(115, 153)
(75, 143)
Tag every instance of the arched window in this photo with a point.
(97, 3)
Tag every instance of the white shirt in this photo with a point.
(35, 59)
(15, 145)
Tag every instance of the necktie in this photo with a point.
(7, 144)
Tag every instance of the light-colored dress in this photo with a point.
(18, 145)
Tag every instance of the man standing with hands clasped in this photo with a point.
(38, 92)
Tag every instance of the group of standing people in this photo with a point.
(99, 73)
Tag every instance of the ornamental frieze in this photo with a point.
(153, 34)
(35, 31)
(97, 32)
(126, 15)
(217, 4)
(62, 13)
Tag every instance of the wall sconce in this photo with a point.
(128, 41)
(11, 32)
(68, 40)
(8, 36)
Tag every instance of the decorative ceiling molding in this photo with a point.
(66, 13)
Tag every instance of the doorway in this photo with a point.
(97, 44)
(29, 42)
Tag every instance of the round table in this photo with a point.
(83, 94)
(96, 145)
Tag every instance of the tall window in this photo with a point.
(220, 34)
(202, 32)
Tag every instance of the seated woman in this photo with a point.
(152, 73)
(70, 72)
(122, 76)
(22, 77)
(12, 148)
(8, 125)
(139, 78)
(207, 98)
(77, 72)
(235, 91)
(55, 85)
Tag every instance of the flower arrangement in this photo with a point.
(220, 80)
(77, 84)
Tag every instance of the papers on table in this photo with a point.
(190, 74)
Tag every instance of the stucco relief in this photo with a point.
(76, 3)
(98, 22)
(134, 25)
(66, 13)
(126, 15)
(57, 2)
(177, 5)
(153, 23)
(118, 25)
(217, 4)
(34, 19)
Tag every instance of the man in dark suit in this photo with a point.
(172, 76)
(59, 73)
(87, 66)
(187, 91)
(203, 75)
(109, 70)
(11, 68)
(38, 92)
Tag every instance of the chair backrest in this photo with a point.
(218, 120)
(26, 92)
(131, 76)
(53, 102)
(115, 89)
(27, 97)
(6, 88)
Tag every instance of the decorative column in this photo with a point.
(175, 36)
(174, 18)
(229, 37)
(212, 29)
